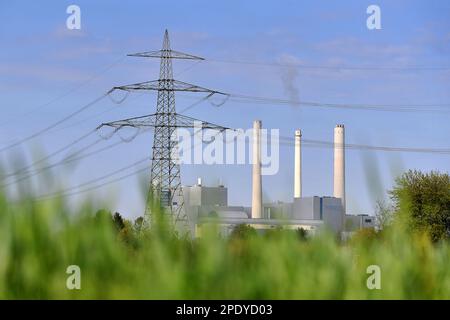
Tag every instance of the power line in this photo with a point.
(239, 98)
(407, 108)
(264, 100)
(67, 146)
(288, 141)
(66, 193)
(71, 158)
(67, 160)
(193, 105)
(96, 115)
(333, 68)
(65, 94)
(125, 98)
(84, 120)
(99, 178)
(123, 177)
(29, 174)
(53, 125)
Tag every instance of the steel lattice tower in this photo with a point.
(165, 181)
(165, 177)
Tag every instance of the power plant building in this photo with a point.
(209, 204)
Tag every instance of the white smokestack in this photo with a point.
(257, 185)
(339, 164)
(298, 165)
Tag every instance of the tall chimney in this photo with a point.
(298, 165)
(257, 185)
(339, 164)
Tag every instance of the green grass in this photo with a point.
(39, 240)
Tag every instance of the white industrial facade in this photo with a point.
(207, 205)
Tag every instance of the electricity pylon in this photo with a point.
(165, 179)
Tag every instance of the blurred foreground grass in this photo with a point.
(40, 239)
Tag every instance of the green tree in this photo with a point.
(424, 198)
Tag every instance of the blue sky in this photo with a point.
(41, 60)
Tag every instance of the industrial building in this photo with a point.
(209, 204)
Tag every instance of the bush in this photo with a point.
(424, 201)
(243, 231)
